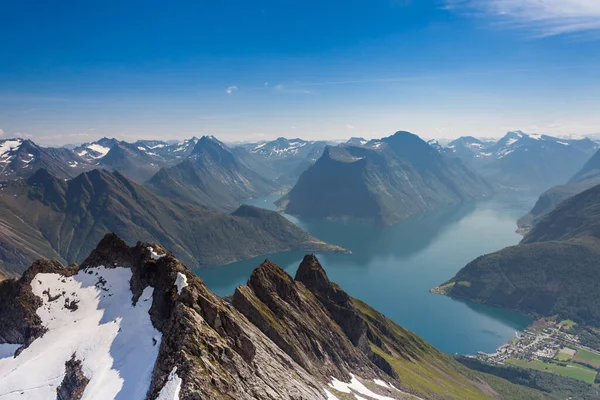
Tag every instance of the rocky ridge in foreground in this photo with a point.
(135, 323)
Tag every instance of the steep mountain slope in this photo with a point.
(287, 158)
(589, 172)
(47, 216)
(256, 163)
(587, 177)
(133, 161)
(180, 149)
(212, 176)
(383, 181)
(356, 141)
(436, 145)
(22, 157)
(134, 323)
(466, 148)
(525, 160)
(554, 271)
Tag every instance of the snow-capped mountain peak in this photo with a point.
(95, 150)
(280, 147)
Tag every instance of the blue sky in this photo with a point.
(74, 71)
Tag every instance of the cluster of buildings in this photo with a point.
(533, 345)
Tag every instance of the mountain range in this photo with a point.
(213, 176)
(286, 158)
(22, 158)
(383, 181)
(135, 323)
(524, 161)
(47, 216)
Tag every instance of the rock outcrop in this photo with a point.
(74, 383)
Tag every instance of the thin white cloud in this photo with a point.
(363, 81)
(1, 133)
(292, 89)
(540, 17)
(349, 126)
(231, 89)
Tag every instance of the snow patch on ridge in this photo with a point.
(360, 391)
(99, 149)
(92, 316)
(181, 282)
(381, 383)
(172, 387)
(154, 255)
(9, 145)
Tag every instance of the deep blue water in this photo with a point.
(393, 268)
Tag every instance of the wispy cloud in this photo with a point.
(367, 81)
(349, 126)
(1, 133)
(292, 89)
(231, 89)
(541, 18)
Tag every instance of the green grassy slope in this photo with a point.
(430, 372)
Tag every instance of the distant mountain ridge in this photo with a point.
(22, 158)
(46, 216)
(190, 170)
(211, 176)
(383, 181)
(521, 160)
(286, 158)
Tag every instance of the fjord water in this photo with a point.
(393, 268)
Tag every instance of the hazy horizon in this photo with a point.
(442, 140)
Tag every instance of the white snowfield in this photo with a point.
(180, 282)
(172, 387)
(7, 148)
(9, 145)
(101, 150)
(114, 340)
(360, 391)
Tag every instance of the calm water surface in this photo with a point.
(393, 268)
